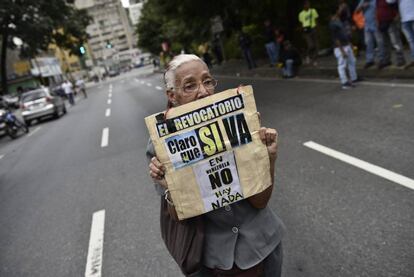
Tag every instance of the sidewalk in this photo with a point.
(326, 68)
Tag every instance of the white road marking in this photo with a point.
(158, 87)
(1, 157)
(100, 86)
(110, 95)
(108, 112)
(149, 84)
(142, 82)
(34, 131)
(105, 137)
(136, 80)
(379, 171)
(109, 101)
(94, 260)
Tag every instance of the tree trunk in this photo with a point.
(3, 69)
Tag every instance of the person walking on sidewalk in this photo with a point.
(80, 85)
(68, 88)
(253, 248)
(390, 33)
(271, 46)
(372, 36)
(343, 52)
(245, 42)
(406, 8)
(308, 19)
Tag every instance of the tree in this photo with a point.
(187, 22)
(38, 23)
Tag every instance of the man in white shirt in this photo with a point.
(68, 88)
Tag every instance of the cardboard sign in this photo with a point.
(211, 151)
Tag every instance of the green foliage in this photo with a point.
(187, 22)
(231, 47)
(38, 23)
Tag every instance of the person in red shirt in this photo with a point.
(390, 33)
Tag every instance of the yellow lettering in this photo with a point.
(216, 137)
(210, 147)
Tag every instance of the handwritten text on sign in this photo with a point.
(218, 180)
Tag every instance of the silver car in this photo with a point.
(40, 103)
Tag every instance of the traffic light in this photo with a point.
(82, 50)
(108, 44)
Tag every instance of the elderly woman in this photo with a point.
(244, 238)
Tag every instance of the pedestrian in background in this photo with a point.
(406, 8)
(290, 59)
(253, 248)
(217, 49)
(245, 43)
(345, 16)
(80, 85)
(343, 52)
(68, 88)
(270, 42)
(372, 36)
(204, 50)
(308, 19)
(389, 31)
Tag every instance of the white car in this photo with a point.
(40, 103)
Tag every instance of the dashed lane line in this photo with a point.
(142, 82)
(158, 87)
(149, 84)
(110, 95)
(108, 112)
(94, 260)
(1, 157)
(105, 137)
(34, 131)
(109, 101)
(379, 171)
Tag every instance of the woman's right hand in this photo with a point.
(157, 172)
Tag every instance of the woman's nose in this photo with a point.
(202, 92)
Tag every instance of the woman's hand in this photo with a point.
(269, 138)
(157, 172)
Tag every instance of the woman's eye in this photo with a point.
(190, 86)
(208, 82)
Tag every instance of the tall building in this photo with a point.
(110, 31)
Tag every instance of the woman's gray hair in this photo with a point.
(169, 75)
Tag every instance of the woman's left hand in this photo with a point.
(269, 138)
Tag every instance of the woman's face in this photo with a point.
(189, 79)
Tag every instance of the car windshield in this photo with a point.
(33, 96)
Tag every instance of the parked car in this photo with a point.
(11, 100)
(40, 103)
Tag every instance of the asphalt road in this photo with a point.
(341, 220)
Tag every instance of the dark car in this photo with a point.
(40, 103)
